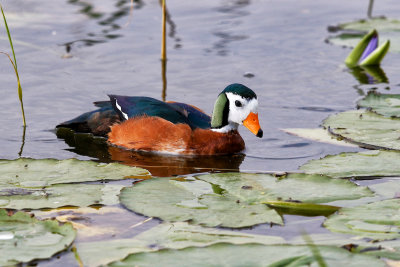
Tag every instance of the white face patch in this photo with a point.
(120, 109)
(240, 108)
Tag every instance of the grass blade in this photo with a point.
(14, 63)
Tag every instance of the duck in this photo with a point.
(146, 124)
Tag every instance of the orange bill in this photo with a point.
(252, 123)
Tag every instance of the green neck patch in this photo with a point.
(220, 112)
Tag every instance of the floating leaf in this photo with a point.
(387, 105)
(366, 129)
(167, 235)
(387, 189)
(26, 172)
(350, 34)
(249, 255)
(60, 195)
(318, 134)
(23, 238)
(232, 199)
(257, 188)
(362, 164)
(378, 220)
(194, 201)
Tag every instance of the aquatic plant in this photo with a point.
(367, 51)
(14, 63)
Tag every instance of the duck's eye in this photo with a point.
(238, 103)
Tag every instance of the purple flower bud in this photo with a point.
(372, 45)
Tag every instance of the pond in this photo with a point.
(72, 53)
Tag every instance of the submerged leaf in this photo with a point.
(378, 220)
(248, 255)
(366, 129)
(23, 238)
(361, 164)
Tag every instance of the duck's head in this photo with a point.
(236, 105)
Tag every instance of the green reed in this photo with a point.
(14, 64)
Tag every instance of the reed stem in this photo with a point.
(164, 32)
(14, 63)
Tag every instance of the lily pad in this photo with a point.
(351, 33)
(387, 105)
(249, 255)
(60, 195)
(23, 238)
(377, 221)
(233, 199)
(26, 172)
(366, 129)
(318, 134)
(194, 201)
(362, 164)
(258, 188)
(167, 235)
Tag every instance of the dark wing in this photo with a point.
(133, 106)
(97, 121)
(197, 118)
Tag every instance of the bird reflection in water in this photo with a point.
(158, 164)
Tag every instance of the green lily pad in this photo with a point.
(318, 135)
(388, 189)
(233, 199)
(23, 238)
(60, 195)
(249, 255)
(387, 105)
(366, 129)
(258, 188)
(35, 184)
(194, 201)
(26, 172)
(351, 33)
(377, 221)
(362, 164)
(166, 235)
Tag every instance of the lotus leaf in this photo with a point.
(249, 255)
(24, 238)
(366, 129)
(377, 220)
(361, 164)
